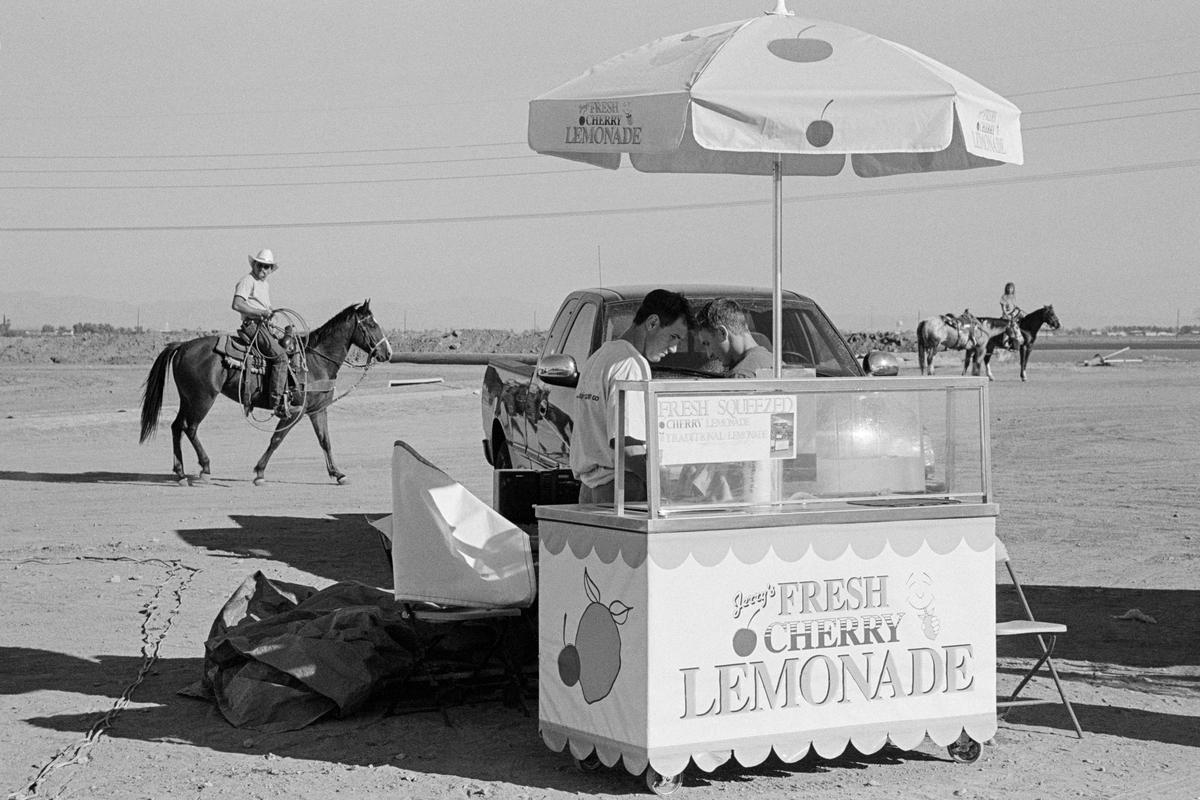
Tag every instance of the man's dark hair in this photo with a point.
(669, 306)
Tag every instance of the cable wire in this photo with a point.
(1103, 83)
(1144, 114)
(1111, 103)
(260, 168)
(352, 182)
(602, 212)
(290, 152)
(426, 148)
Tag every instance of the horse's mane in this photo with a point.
(325, 329)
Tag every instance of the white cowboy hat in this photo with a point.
(264, 257)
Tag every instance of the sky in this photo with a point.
(379, 149)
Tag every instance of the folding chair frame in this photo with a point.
(493, 668)
(1047, 636)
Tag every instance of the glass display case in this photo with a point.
(806, 444)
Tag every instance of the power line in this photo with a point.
(598, 212)
(1085, 48)
(364, 181)
(514, 143)
(369, 181)
(261, 168)
(1111, 103)
(1109, 119)
(1104, 83)
(285, 153)
(422, 162)
(259, 112)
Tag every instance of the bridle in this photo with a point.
(383, 339)
(373, 354)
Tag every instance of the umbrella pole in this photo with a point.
(777, 295)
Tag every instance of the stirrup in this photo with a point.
(286, 408)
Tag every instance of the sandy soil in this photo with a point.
(111, 575)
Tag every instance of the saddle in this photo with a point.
(965, 326)
(238, 353)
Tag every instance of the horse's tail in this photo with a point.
(921, 344)
(152, 394)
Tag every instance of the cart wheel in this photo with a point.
(965, 750)
(589, 764)
(662, 785)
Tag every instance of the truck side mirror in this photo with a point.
(880, 363)
(558, 370)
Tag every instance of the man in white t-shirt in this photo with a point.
(252, 299)
(660, 324)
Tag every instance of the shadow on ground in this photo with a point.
(1096, 634)
(341, 547)
(87, 477)
(485, 742)
(489, 742)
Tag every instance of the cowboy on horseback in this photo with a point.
(252, 299)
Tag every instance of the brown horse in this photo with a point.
(201, 375)
(971, 335)
(1029, 325)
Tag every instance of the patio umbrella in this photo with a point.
(776, 95)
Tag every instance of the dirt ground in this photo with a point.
(111, 575)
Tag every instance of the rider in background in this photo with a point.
(1010, 311)
(252, 299)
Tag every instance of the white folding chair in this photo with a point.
(1047, 635)
(456, 564)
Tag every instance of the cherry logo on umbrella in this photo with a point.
(594, 659)
(801, 50)
(820, 131)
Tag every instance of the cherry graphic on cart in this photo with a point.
(593, 660)
(745, 640)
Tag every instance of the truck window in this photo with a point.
(559, 327)
(811, 341)
(579, 341)
(618, 319)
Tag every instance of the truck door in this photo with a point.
(522, 398)
(553, 404)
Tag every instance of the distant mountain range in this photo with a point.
(32, 310)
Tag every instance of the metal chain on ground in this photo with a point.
(76, 753)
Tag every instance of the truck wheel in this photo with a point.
(501, 459)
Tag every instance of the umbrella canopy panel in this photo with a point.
(730, 98)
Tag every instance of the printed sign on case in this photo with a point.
(722, 428)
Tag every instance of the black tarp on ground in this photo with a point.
(281, 655)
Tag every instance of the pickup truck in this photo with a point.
(527, 406)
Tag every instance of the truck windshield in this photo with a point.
(809, 338)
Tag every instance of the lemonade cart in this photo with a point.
(813, 568)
